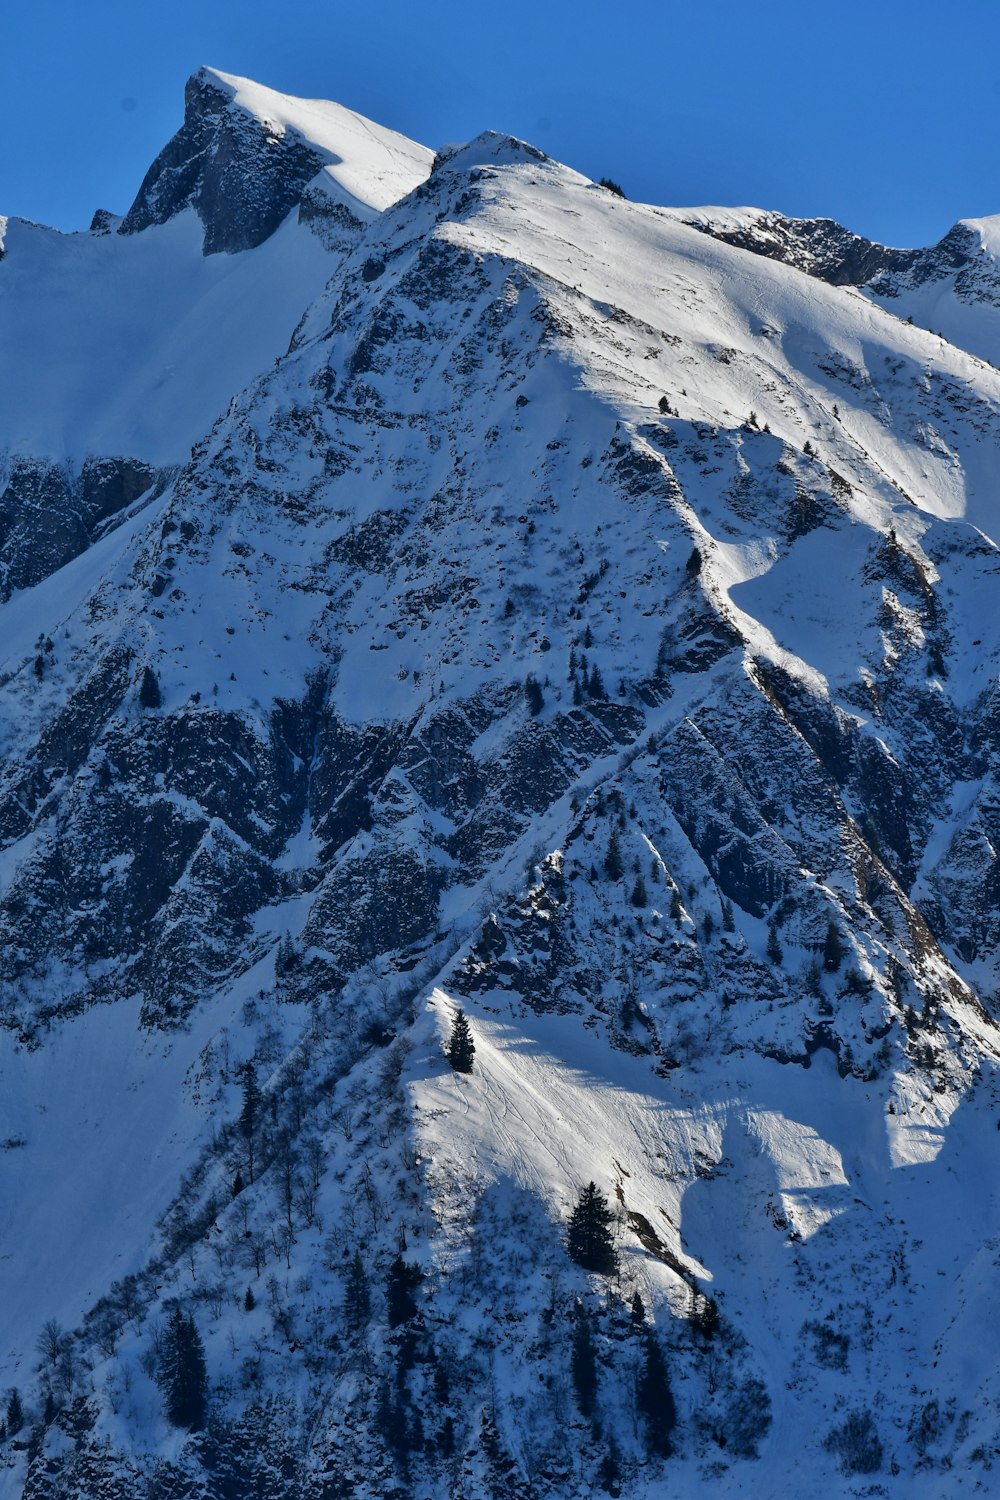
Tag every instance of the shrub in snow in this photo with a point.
(857, 1444)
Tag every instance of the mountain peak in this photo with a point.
(489, 148)
(245, 155)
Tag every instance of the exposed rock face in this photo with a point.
(825, 249)
(240, 176)
(821, 247)
(49, 515)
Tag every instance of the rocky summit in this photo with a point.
(499, 802)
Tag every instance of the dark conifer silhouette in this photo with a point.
(583, 1364)
(250, 1112)
(589, 1235)
(149, 689)
(357, 1297)
(655, 1400)
(833, 949)
(181, 1376)
(15, 1412)
(614, 866)
(461, 1049)
(403, 1282)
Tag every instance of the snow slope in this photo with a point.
(133, 344)
(952, 288)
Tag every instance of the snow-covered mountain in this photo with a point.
(122, 345)
(566, 615)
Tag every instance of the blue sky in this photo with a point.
(881, 115)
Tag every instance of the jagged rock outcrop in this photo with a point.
(240, 174)
(49, 514)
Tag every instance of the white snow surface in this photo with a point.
(132, 345)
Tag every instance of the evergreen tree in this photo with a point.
(403, 1281)
(705, 1318)
(833, 949)
(595, 683)
(638, 1311)
(461, 1049)
(728, 922)
(357, 1297)
(287, 958)
(655, 1400)
(589, 1234)
(250, 1111)
(391, 1423)
(249, 1301)
(583, 1363)
(774, 949)
(533, 695)
(149, 689)
(614, 866)
(181, 1375)
(15, 1412)
(639, 892)
(610, 1469)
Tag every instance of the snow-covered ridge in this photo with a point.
(123, 345)
(372, 165)
(952, 287)
(245, 156)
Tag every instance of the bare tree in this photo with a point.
(50, 1342)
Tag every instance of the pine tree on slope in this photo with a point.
(182, 1376)
(357, 1297)
(461, 1049)
(589, 1234)
(655, 1400)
